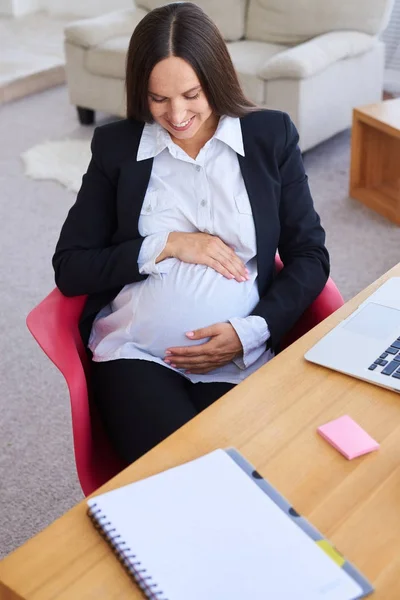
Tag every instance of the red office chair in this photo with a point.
(329, 300)
(54, 325)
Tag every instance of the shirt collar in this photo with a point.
(155, 138)
(229, 131)
(153, 141)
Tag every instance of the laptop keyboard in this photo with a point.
(389, 361)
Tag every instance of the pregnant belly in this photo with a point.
(189, 297)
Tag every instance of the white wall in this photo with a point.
(78, 8)
(391, 37)
(84, 8)
(18, 8)
(6, 7)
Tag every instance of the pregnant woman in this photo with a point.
(174, 233)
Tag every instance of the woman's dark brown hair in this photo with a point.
(184, 30)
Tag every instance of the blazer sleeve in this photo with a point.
(85, 260)
(301, 246)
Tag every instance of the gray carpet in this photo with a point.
(37, 473)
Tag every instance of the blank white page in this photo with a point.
(206, 531)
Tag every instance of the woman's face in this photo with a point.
(176, 99)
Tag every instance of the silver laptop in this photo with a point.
(366, 345)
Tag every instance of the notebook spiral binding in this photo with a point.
(129, 561)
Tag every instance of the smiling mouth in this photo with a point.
(182, 126)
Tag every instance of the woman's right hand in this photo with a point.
(204, 249)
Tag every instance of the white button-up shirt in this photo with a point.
(205, 194)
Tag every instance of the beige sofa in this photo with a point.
(314, 59)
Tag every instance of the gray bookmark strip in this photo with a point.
(305, 525)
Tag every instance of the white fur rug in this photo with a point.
(63, 161)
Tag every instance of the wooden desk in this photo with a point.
(375, 157)
(272, 419)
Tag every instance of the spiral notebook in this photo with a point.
(213, 529)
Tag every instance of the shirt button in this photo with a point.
(148, 207)
(207, 231)
(203, 202)
(198, 168)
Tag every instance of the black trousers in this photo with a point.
(141, 402)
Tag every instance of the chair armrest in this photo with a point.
(91, 32)
(315, 55)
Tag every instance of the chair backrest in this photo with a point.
(329, 300)
(228, 15)
(54, 325)
(295, 21)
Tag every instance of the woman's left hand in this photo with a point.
(223, 346)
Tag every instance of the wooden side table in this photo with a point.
(375, 158)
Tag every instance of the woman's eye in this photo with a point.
(165, 99)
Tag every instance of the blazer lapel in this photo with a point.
(132, 185)
(264, 200)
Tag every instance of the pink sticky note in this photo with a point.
(348, 437)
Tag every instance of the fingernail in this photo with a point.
(167, 361)
(168, 353)
(172, 365)
(188, 372)
(190, 334)
(243, 279)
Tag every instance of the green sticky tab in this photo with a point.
(331, 552)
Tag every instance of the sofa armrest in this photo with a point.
(94, 31)
(315, 55)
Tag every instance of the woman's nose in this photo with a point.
(177, 114)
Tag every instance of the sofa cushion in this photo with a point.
(248, 59)
(293, 22)
(228, 15)
(108, 59)
(90, 32)
(312, 57)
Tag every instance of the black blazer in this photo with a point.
(99, 243)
